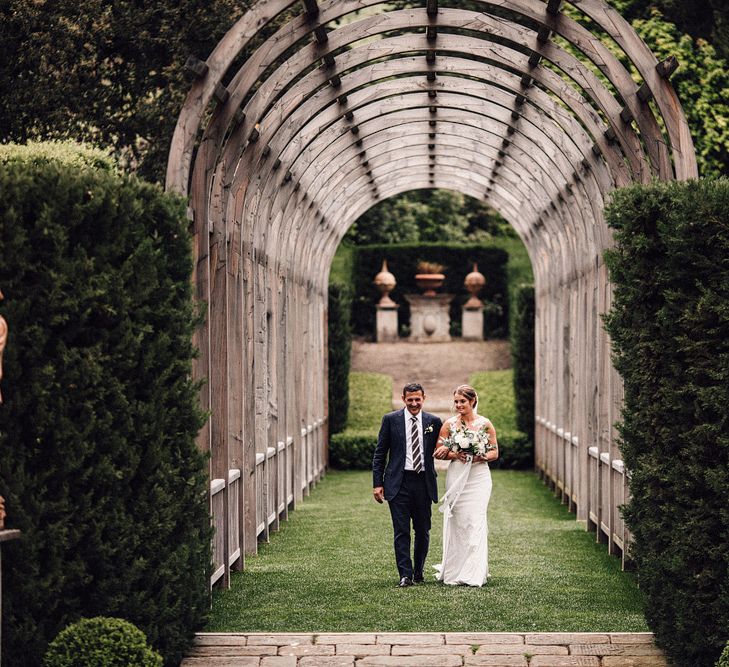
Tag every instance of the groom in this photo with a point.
(407, 439)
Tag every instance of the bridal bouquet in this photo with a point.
(474, 443)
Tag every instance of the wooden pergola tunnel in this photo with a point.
(307, 114)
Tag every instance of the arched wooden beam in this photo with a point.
(388, 119)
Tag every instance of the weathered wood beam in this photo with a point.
(667, 67)
(255, 133)
(644, 93)
(276, 163)
(432, 94)
(432, 123)
(534, 59)
(354, 130)
(626, 115)
(195, 68)
(543, 34)
(431, 7)
(266, 150)
(335, 81)
(526, 81)
(342, 99)
(239, 116)
(431, 33)
(221, 93)
(430, 76)
(328, 61)
(432, 109)
(430, 57)
(320, 35)
(311, 8)
(349, 115)
(610, 135)
(554, 7)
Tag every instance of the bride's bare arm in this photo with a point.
(442, 452)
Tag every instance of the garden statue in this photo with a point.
(385, 282)
(386, 325)
(3, 340)
(474, 283)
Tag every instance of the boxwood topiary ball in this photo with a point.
(101, 642)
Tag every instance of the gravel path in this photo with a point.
(439, 367)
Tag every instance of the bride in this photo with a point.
(468, 440)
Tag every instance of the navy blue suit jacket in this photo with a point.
(391, 445)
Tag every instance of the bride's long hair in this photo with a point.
(469, 393)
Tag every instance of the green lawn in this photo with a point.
(370, 397)
(496, 397)
(331, 568)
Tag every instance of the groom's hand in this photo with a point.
(379, 493)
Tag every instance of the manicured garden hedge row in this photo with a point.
(99, 466)
(522, 357)
(670, 329)
(458, 260)
(340, 347)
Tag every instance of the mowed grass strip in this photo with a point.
(331, 569)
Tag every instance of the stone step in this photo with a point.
(426, 649)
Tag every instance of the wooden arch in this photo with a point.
(344, 103)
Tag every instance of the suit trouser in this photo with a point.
(412, 503)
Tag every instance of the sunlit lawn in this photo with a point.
(331, 568)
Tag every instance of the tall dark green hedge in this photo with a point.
(98, 463)
(340, 347)
(458, 259)
(522, 356)
(670, 329)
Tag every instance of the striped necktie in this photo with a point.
(415, 443)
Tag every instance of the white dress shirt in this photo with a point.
(408, 439)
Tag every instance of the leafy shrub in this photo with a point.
(458, 260)
(99, 466)
(370, 397)
(352, 451)
(670, 330)
(340, 346)
(724, 657)
(101, 642)
(522, 358)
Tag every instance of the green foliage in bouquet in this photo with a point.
(669, 325)
(101, 642)
(99, 466)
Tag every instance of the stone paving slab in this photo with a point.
(426, 649)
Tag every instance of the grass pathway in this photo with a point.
(331, 569)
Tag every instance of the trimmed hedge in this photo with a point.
(352, 451)
(458, 258)
(670, 330)
(340, 347)
(522, 357)
(101, 642)
(99, 466)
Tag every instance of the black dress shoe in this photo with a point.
(404, 582)
(418, 578)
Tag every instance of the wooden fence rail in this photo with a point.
(584, 477)
(279, 473)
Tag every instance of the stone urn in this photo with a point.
(474, 283)
(385, 282)
(429, 277)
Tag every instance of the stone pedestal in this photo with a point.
(386, 330)
(429, 318)
(472, 323)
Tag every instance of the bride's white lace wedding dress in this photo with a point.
(465, 524)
